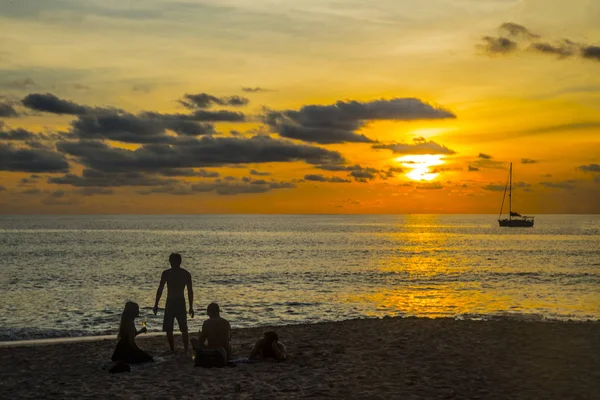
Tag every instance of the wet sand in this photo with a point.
(390, 358)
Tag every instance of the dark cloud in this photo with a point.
(255, 89)
(420, 146)
(564, 49)
(201, 173)
(93, 191)
(21, 83)
(338, 123)
(17, 134)
(224, 188)
(31, 160)
(559, 185)
(591, 52)
(207, 151)
(528, 161)
(500, 187)
(484, 156)
(259, 173)
(364, 174)
(589, 168)
(32, 192)
(51, 104)
(95, 178)
(321, 178)
(430, 186)
(516, 30)
(119, 127)
(2, 188)
(205, 100)
(473, 168)
(6, 110)
(498, 45)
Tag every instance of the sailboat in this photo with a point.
(514, 218)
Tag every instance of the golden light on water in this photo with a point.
(419, 166)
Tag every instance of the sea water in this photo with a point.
(71, 275)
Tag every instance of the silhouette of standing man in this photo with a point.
(176, 279)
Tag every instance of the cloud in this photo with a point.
(24, 83)
(255, 89)
(321, 178)
(338, 123)
(420, 146)
(95, 178)
(205, 100)
(202, 173)
(224, 188)
(528, 161)
(6, 110)
(484, 156)
(516, 30)
(2, 188)
(430, 186)
(31, 160)
(590, 168)
(473, 168)
(93, 191)
(17, 134)
(259, 173)
(591, 52)
(119, 127)
(559, 185)
(49, 103)
(498, 45)
(207, 151)
(563, 48)
(500, 188)
(364, 174)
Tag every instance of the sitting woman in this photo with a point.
(269, 348)
(127, 350)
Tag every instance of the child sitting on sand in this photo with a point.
(269, 347)
(127, 350)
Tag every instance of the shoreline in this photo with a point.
(94, 338)
(355, 359)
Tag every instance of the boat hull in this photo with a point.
(516, 223)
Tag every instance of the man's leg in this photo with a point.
(184, 338)
(168, 323)
(170, 340)
(182, 322)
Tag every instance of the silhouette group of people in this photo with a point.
(212, 347)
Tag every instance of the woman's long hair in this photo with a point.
(130, 312)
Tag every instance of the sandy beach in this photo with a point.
(358, 359)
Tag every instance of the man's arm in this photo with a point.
(163, 279)
(190, 295)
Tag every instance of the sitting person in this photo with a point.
(127, 351)
(214, 339)
(269, 347)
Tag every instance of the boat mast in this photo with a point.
(510, 195)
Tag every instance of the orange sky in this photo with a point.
(324, 107)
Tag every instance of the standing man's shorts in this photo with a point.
(175, 309)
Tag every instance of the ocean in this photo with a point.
(65, 276)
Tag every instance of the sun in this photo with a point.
(419, 166)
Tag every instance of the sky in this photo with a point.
(280, 106)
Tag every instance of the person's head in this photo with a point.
(131, 311)
(213, 310)
(175, 260)
(271, 336)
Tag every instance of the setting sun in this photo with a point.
(419, 166)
